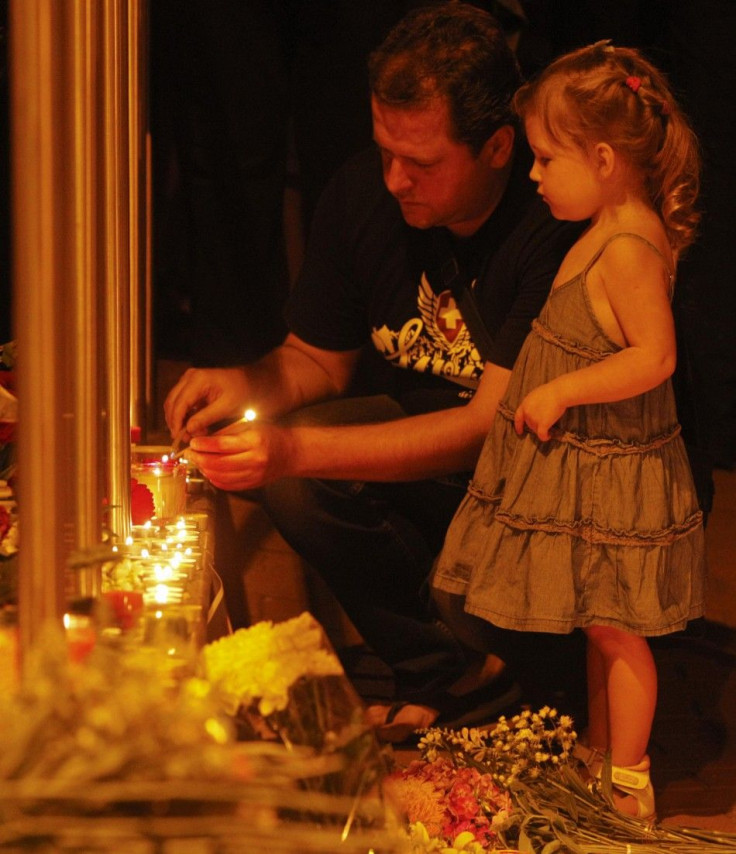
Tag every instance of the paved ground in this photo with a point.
(694, 739)
(693, 745)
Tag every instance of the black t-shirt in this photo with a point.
(368, 276)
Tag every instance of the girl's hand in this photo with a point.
(540, 410)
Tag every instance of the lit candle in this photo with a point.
(163, 475)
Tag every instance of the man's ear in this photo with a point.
(499, 146)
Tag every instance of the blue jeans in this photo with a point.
(374, 545)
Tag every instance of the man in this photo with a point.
(367, 504)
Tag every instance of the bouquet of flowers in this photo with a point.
(283, 681)
(515, 788)
(527, 746)
(458, 796)
(110, 755)
(258, 666)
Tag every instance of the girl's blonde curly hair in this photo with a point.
(603, 93)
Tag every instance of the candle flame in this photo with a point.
(163, 573)
(161, 594)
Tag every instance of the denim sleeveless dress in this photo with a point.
(600, 525)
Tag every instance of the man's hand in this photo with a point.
(243, 456)
(203, 396)
(540, 410)
(289, 377)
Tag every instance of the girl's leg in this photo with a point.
(631, 690)
(597, 735)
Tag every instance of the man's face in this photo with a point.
(436, 180)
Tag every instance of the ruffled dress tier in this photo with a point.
(600, 525)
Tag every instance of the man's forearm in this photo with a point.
(410, 448)
(294, 375)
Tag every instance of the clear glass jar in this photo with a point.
(166, 479)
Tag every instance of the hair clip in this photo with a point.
(633, 83)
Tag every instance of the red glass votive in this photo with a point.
(126, 607)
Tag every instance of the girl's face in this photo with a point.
(566, 176)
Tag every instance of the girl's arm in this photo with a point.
(629, 289)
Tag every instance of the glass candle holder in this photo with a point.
(124, 609)
(176, 631)
(166, 479)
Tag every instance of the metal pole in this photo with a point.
(52, 55)
(117, 267)
(141, 373)
(75, 242)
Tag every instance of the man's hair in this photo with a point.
(453, 51)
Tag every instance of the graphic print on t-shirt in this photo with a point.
(437, 341)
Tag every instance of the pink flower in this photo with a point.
(462, 801)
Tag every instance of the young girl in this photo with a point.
(582, 511)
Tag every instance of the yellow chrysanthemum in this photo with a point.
(260, 663)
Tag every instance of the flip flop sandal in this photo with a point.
(396, 732)
(479, 708)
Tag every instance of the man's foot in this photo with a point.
(396, 722)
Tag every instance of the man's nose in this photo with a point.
(397, 181)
